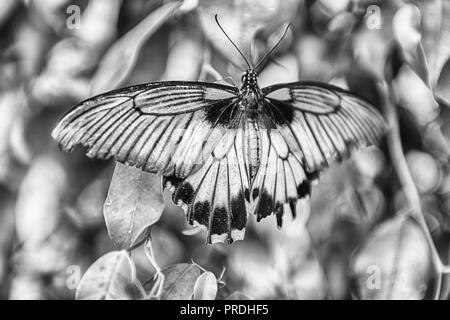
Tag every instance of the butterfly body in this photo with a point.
(225, 152)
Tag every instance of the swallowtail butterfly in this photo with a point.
(226, 152)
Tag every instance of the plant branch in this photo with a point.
(407, 182)
(159, 276)
(134, 278)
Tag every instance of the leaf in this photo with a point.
(184, 57)
(52, 255)
(18, 143)
(370, 48)
(39, 201)
(133, 204)
(286, 71)
(442, 90)
(120, 59)
(302, 276)
(394, 262)
(180, 281)
(7, 8)
(99, 21)
(361, 204)
(238, 296)
(7, 200)
(251, 267)
(415, 96)
(424, 171)
(75, 56)
(406, 29)
(435, 34)
(25, 286)
(88, 209)
(242, 20)
(342, 24)
(108, 278)
(167, 249)
(205, 287)
(12, 107)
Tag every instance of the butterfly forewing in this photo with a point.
(162, 127)
(191, 133)
(321, 122)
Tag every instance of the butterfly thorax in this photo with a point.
(250, 93)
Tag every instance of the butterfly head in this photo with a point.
(249, 78)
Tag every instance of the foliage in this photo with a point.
(377, 226)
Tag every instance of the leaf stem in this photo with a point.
(407, 182)
(134, 278)
(156, 291)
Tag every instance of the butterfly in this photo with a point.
(226, 152)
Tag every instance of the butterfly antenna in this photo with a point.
(273, 48)
(240, 52)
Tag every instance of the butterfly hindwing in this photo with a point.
(215, 197)
(281, 178)
(167, 127)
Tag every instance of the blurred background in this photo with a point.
(355, 241)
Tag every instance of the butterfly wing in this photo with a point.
(308, 126)
(195, 134)
(216, 196)
(166, 127)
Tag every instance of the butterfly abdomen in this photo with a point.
(253, 147)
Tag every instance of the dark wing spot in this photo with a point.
(314, 175)
(255, 193)
(201, 213)
(247, 194)
(279, 214)
(222, 113)
(238, 212)
(292, 205)
(304, 189)
(185, 193)
(219, 223)
(171, 181)
(280, 113)
(265, 207)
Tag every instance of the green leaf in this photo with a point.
(133, 204)
(108, 278)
